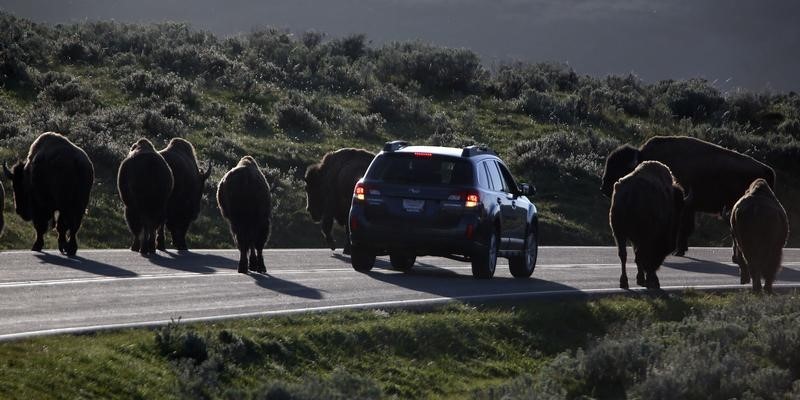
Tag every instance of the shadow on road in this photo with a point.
(192, 262)
(289, 288)
(449, 283)
(85, 265)
(714, 267)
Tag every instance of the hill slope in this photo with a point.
(287, 100)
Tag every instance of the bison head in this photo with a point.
(21, 197)
(619, 163)
(315, 201)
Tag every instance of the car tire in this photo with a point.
(522, 266)
(361, 260)
(402, 262)
(484, 260)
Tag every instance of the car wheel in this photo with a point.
(402, 262)
(522, 266)
(484, 260)
(361, 260)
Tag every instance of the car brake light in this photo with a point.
(359, 192)
(472, 200)
(422, 154)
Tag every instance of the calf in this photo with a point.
(244, 200)
(760, 228)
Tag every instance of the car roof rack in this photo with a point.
(471, 151)
(395, 145)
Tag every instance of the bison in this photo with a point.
(183, 205)
(244, 200)
(329, 188)
(712, 176)
(645, 209)
(145, 183)
(57, 176)
(760, 229)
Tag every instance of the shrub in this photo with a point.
(435, 69)
(75, 50)
(512, 80)
(564, 152)
(295, 118)
(551, 108)
(395, 106)
(175, 341)
(157, 125)
(693, 98)
(254, 118)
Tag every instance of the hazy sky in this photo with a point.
(737, 43)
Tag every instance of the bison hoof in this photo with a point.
(37, 246)
(680, 252)
(653, 283)
(72, 249)
(623, 282)
(744, 280)
(243, 266)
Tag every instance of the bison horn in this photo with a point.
(8, 173)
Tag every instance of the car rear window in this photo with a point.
(405, 168)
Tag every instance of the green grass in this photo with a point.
(452, 351)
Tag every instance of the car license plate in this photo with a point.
(412, 205)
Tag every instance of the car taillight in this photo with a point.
(472, 199)
(360, 192)
(423, 154)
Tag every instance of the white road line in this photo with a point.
(371, 305)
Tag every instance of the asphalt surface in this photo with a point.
(47, 293)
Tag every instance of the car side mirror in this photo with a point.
(527, 190)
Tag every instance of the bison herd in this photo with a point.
(655, 191)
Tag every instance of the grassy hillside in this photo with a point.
(693, 346)
(288, 99)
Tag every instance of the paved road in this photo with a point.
(43, 293)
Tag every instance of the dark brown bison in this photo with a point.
(760, 229)
(712, 177)
(329, 188)
(245, 201)
(183, 206)
(56, 176)
(144, 183)
(645, 209)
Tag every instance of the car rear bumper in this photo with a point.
(409, 238)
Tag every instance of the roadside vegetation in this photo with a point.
(287, 99)
(689, 346)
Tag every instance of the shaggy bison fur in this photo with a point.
(245, 201)
(712, 176)
(57, 176)
(329, 188)
(145, 183)
(760, 229)
(183, 205)
(645, 208)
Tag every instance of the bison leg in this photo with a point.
(257, 264)
(40, 223)
(242, 259)
(651, 281)
(178, 232)
(327, 226)
(623, 258)
(160, 245)
(136, 229)
(61, 229)
(74, 226)
(148, 242)
(755, 275)
(346, 250)
(685, 229)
